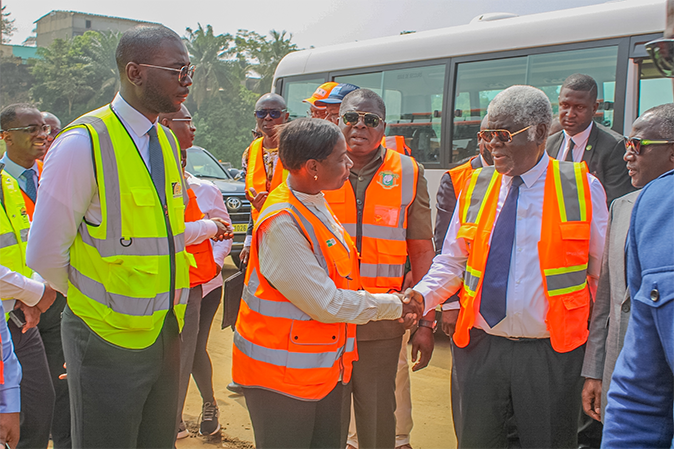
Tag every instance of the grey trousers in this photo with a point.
(188, 344)
(122, 398)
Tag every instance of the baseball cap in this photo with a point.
(338, 93)
(321, 93)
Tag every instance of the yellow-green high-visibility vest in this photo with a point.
(126, 273)
(14, 226)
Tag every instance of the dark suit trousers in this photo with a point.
(50, 331)
(374, 384)
(280, 421)
(120, 397)
(541, 388)
(37, 392)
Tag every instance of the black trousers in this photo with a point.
(281, 422)
(120, 397)
(526, 379)
(202, 368)
(37, 392)
(374, 384)
(50, 331)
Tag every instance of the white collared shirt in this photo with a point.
(526, 304)
(579, 144)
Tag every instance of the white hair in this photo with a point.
(527, 105)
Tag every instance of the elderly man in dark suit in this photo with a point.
(583, 140)
(612, 303)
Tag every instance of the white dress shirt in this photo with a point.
(526, 304)
(579, 144)
(68, 194)
(209, 199)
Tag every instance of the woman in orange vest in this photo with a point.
(294, 342)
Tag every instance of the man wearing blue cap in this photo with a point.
(334, 101)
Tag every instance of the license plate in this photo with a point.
(241, 228)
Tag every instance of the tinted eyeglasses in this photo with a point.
(369, 119)
(662, 53)
(187, 121)
(31, 129)
(503, 135)
(273, 113)
(183, 72)
(634, 144)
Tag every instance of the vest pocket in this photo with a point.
(391, 258)
(575, 230)
(313, 350)
(131, 293)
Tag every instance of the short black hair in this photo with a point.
(304, 139)
(8, 114)
(664, 112)
(580, 82)
(365, 94)
(139, 44)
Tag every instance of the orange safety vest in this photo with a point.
(206, 268)
(30, 205)
(563, 250)
(396, 143)
(460, 175)
(276, 345)
(256, 175)
(380, 225)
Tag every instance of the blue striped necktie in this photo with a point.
(29, 177)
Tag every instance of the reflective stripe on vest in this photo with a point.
(122, 273)
(256, 173)
(460, 174)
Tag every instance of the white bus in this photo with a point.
(437, 84)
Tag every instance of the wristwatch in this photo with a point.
(433, 325)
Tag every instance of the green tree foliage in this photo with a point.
(17, 80)
(7, 27)
(263, 55)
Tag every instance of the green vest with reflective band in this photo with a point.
(14, 226)
(126, 273)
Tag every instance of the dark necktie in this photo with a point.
(157, 164)
(495, 284)
(29, 177)
(569, 154)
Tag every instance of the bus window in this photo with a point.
(654, 89)
(477, 83)
(296, 91)
(413, 98)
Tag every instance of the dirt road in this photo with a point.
(430, 397)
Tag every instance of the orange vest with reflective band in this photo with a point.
(379, 226)
(202, 252)
(460, 175)
(563, 250)
(396, 143)
(30, 205)
(276, 345)
(256, 175)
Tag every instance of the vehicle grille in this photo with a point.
(239, 214)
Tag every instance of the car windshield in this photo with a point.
(202, 165)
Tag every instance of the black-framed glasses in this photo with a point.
(503, 135)
(183, 72)
(634, 144)
(187, 121)
(369, 119)
(31, 129)
(662, 53)
(273, 113)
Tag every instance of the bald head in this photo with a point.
(270, 101)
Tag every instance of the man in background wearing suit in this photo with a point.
(612, 303)
(583, 140)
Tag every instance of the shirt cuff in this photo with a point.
(10, 400)
(33, 291)
(248, 242)
(455, 305)
(389, 308)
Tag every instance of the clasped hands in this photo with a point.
(225, 231)
(413, 307)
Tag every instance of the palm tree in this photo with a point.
(100, 56)
(264, 54)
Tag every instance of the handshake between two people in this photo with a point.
(225, 230)
(413, 307)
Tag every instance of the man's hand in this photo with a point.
(218, 270)
(257, 199)
(413, 308)
(225, 231)
(47, 299)
(448, 322)
(408, 281)
(31, 316)
(424, 342)
(244, 254)
(10, 426)
(591, 397)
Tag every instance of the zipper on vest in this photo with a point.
(172, 255)
(359, 224)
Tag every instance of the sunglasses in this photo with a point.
(32, 129)
(369, 119)
(183, 72)
(634, 144)
(273, 113)
(503, 135)
(662, 53)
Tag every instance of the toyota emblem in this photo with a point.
(233, 204)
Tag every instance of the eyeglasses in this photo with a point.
(503, 135)
(184, 71)
(662, 53)
(635, 143)
(273, 113)
(187, 121)
(32, 129)
(369, 119)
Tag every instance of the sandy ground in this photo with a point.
(431, 410)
